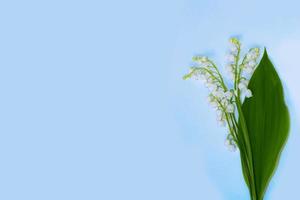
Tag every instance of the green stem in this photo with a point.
(248, 150)
(219, 74)
(244, 155)
(236, 68)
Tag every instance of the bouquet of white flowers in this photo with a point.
(253, 109)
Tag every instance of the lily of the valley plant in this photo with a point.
(252, 107)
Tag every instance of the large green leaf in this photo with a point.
(267, 119)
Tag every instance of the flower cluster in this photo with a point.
(239, 72)
(223, 99)
(222, 102)
(220, 98)
(233, 56)
(250, 61)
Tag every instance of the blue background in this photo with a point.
(93, 105)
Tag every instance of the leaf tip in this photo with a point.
(265, 51)
(265, 55)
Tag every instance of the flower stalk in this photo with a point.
(228, 101)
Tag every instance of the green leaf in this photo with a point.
(267, 119)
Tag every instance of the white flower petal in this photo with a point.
(229, 68)
(212, 87)
(219, 113)
(230, 108)
(214, 104)
(228, 95)
(231, 58)
(232, 148)
(222, 123)
(225, 102)
(242, 86)
(227, 143)
(245, 82)
(249, 69)
(233, 49)
(229, 137)
(252, 63)
(248, 93)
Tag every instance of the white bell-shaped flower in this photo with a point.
(230, 143)
(249, 70)
(227, 142)
(230, 108)
(242, 86)
(228, 95)
(245, 81)
(218, 93)
(232, 148)
(252, 64)
(222, 123)
(248, 93)
(219, 114)
(221, 119)
(234, 49)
